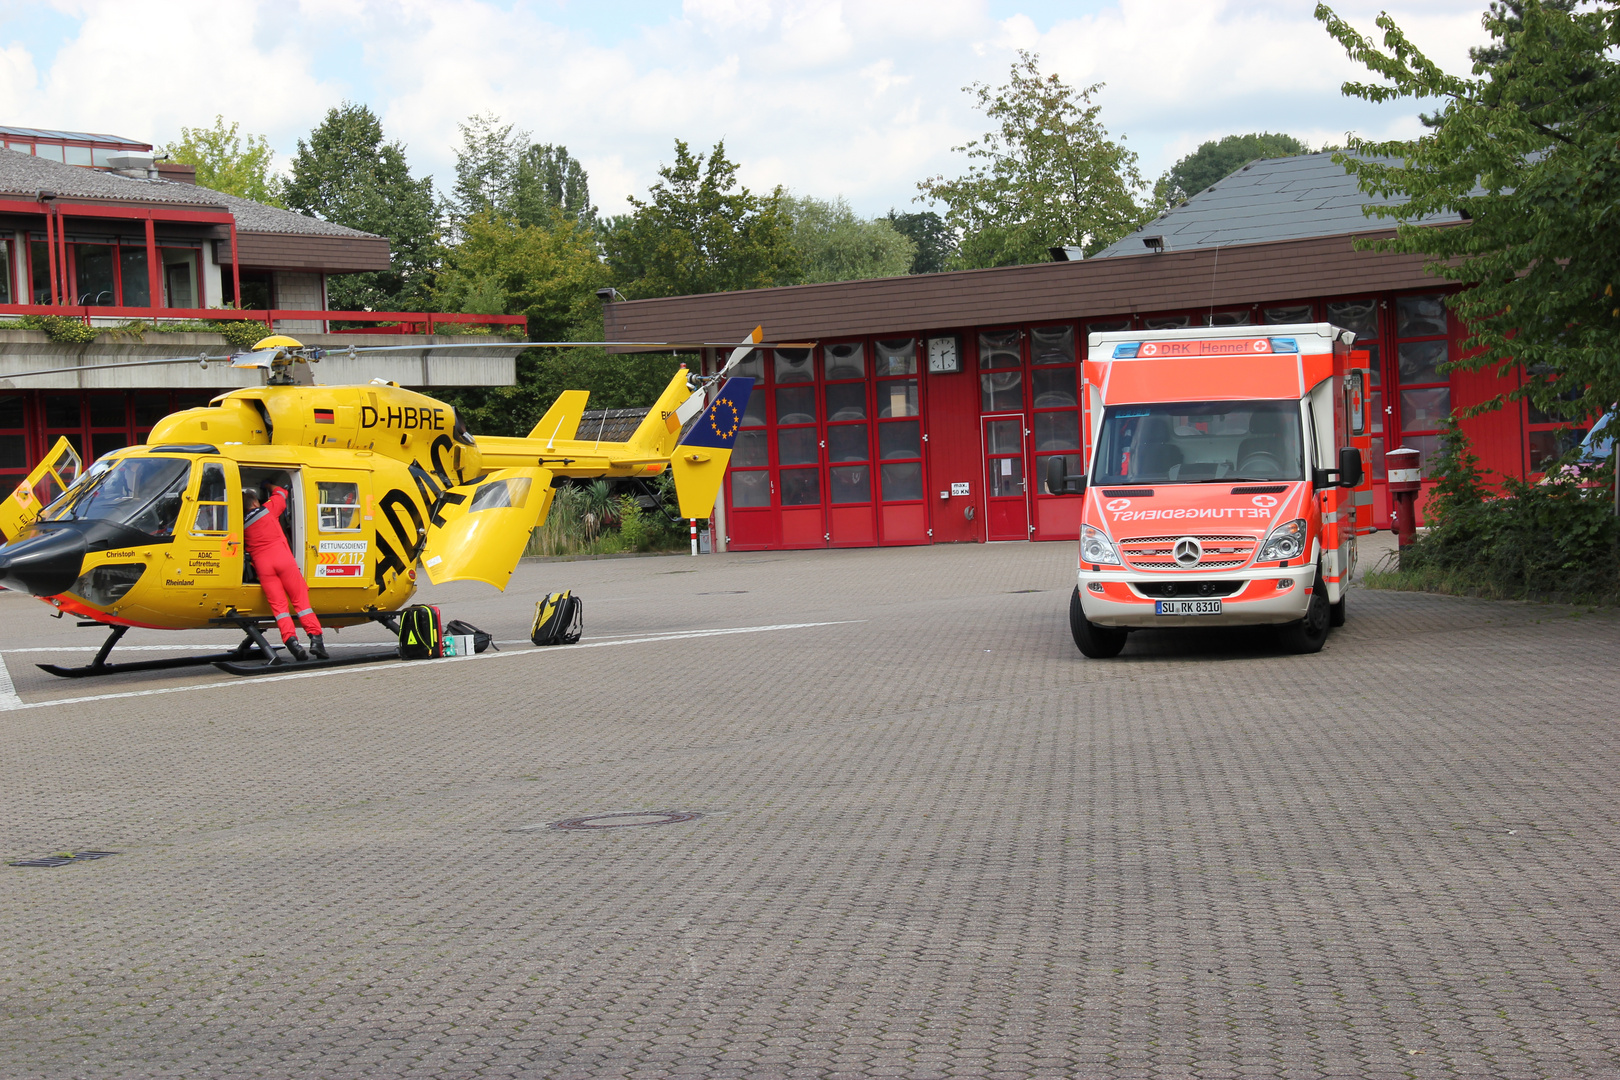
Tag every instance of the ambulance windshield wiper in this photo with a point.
(1234, 480)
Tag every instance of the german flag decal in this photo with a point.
(324, 416)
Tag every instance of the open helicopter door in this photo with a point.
(40, 488)
(484, 531)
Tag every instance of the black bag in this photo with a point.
(481, 640)
(559, 619)
(421, 633)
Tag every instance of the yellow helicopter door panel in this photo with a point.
(338, 535)
(208, 538)
(49, 479)
(484, 532)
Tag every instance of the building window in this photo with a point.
(1360, 317)
(1001, 371)
(1056, 398)
(849, 446)
(749, 472)
(13, 439)
(899, 411)
(1550, 434)
(1422, 347)
(1290, 313)
(6, 290)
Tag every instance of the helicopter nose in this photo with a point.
(44, 564)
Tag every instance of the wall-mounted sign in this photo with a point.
(959, 489)
(944, 355)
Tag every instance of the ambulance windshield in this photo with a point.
(1199, 442)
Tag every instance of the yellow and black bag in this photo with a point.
(559, 619)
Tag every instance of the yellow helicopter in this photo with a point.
(381, 480)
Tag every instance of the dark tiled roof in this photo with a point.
(1273, 199)
(25, 175)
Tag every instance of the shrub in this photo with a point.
(1556, 539)
(60, 328)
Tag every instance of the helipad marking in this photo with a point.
(9, 702)
(8, 693)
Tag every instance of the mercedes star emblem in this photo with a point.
(1188, 551)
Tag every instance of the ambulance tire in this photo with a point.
(1095, 642)
(1309, 634)
(1336, 612)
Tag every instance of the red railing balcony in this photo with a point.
(380, 322)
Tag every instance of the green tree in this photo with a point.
(1511, 12)
(935, 240)
(498, 169)
(699, 232)
(1527, 149)
(834, 244)
(1048, 176)
(348, 175)
(1218, 159)
(485, 166)
(548, 274)
(229, 162)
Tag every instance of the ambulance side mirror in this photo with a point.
(1350, 470)
(1060, 482)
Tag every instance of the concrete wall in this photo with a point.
(28, 350)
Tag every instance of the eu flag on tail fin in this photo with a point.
(699, 461)
(717, 427)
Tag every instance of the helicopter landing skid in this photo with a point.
(272, 662)
(99, 665)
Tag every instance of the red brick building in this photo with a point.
(930, 402)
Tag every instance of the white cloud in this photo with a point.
(827, 97)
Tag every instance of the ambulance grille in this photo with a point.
(1221, 551)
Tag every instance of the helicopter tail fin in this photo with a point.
(562, 419)
(699, 461)
(657, 434)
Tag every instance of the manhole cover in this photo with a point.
(625, 821)
(64, 858)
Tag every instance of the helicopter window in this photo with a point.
(213, 513)
(501, 493)
(339, 507)
(140, 492)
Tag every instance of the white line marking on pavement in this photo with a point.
(13, 703)
(8, 693)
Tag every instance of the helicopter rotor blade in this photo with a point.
(750, 343)
(346, 350)
(203, 360)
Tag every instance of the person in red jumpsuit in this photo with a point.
(278, 572)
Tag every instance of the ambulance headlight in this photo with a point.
(1095, 547)
(1285, 543)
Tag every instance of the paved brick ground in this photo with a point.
(934, 842)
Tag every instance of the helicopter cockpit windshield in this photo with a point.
(141, 493)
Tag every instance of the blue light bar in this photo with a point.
(1126, 350)
(1284, 344)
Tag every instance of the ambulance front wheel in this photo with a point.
(1336, 612)
(1309, 634)
(1096, 642)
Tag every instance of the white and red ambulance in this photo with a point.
(1225, 483)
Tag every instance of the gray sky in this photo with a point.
(859, 99)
